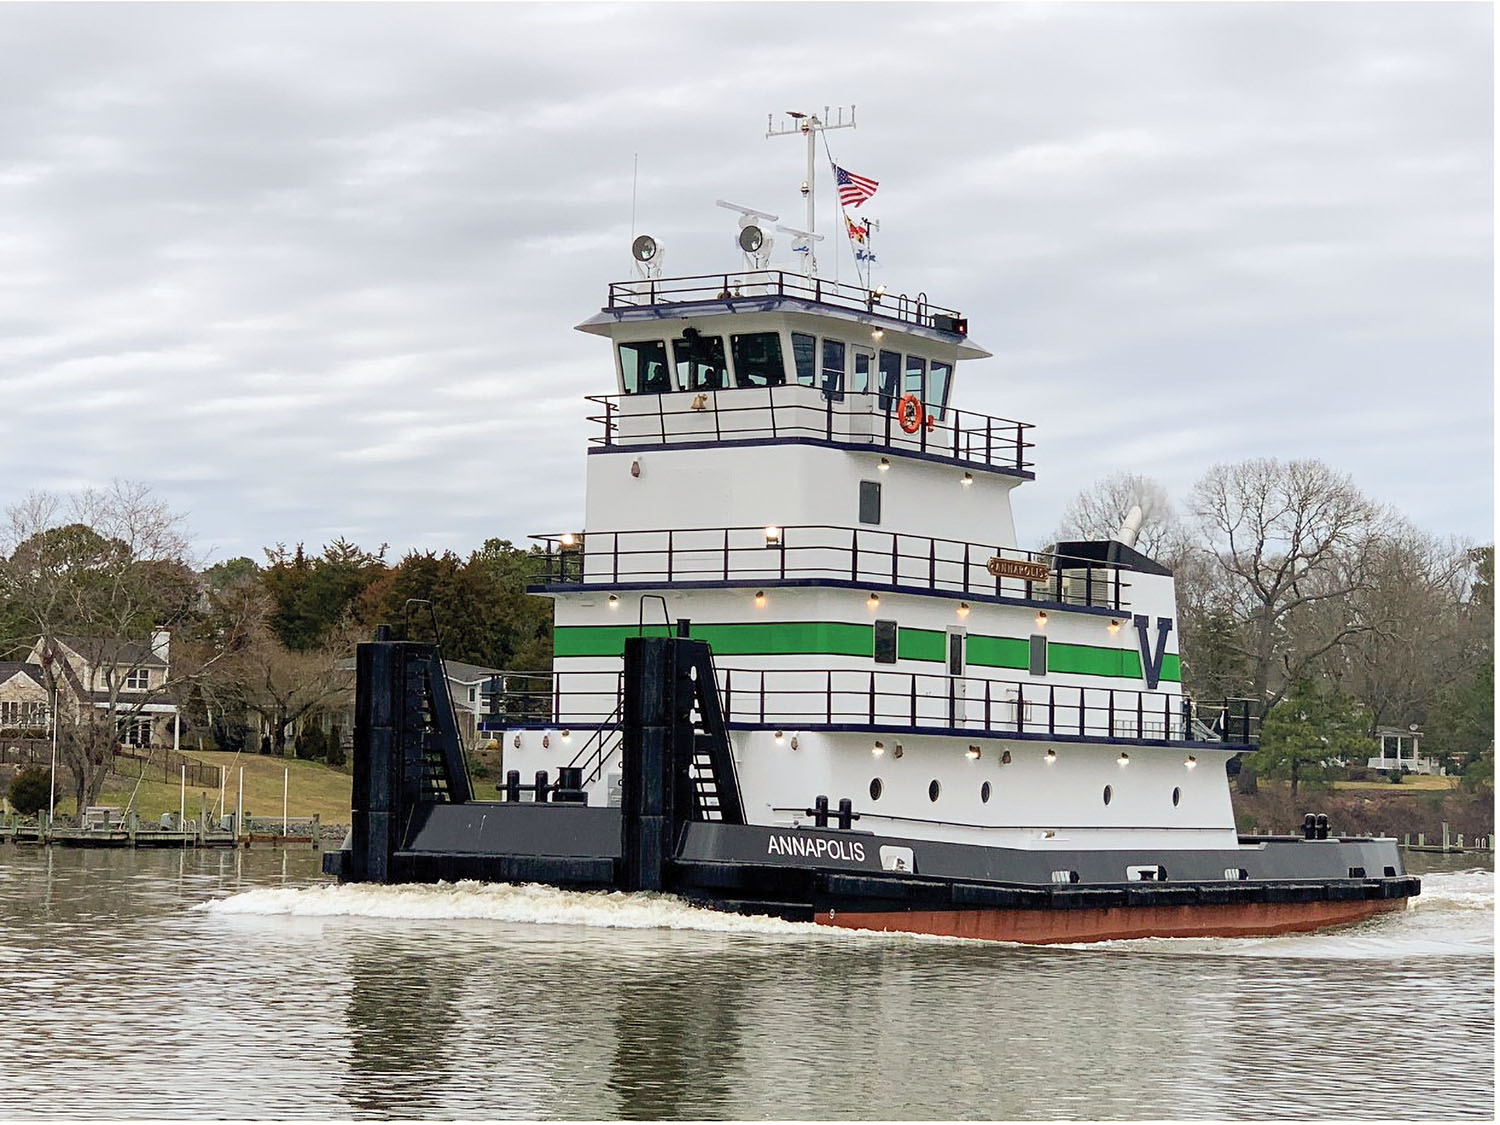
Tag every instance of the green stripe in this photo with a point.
(838, 638)
(921, 644)
(746, 638)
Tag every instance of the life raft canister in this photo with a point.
(909, 413)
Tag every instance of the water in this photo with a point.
(221, 984)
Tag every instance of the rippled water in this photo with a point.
(214, 984)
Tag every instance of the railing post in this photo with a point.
(1117, 588)
(1082, 711)
(609, 421)
(854, 556)
(931, 562)
(913, 677)
(1020, 708)
(762, 697)
(987, 724)
(1140, 714)
(966, 568)
(728, 694)
(615, 554)
(1088, 584)
(828, 417)
(872, 699)
(669, 554)
(989, 436)
(1111, 712)
(726, 554)
(771, 401)
(895, 559)
(828, 689)
(1020, 460)
(1051, 708)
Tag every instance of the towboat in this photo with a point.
(802, 666)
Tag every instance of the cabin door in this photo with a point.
(957, 669)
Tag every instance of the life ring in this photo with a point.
(909, 413)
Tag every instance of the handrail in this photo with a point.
(862, 555)
(845, 698)
(749, 284)
(800, 411)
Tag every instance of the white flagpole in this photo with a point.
(286, 785)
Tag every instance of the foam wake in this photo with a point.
(499, 902)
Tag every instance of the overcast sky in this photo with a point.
(312, 271)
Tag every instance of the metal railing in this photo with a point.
(780, 283)
(809, 699)
(863, 556)
(865, 418)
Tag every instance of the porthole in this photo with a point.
(984, 792)
(933, 790)
(1109, 791)
(875, 788)
(1176, 796)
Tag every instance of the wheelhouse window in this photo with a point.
(700, 362)
(833, 368)
(805, 357)
(643, 367)
(937, 383)
(916, 377)
(859, 379)
(757, 360)
(890, 378)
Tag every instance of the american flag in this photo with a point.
(853, 190)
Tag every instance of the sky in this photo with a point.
(312, 271)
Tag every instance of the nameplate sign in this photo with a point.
(1019, 568)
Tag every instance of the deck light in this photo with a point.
(878, 291)
(878, 334)
(780, 738)
(566, 734)
(614, 601)
(1113, 627)
(885, 464)
(1191, 763)
(794, 742)
(963, 610)
(569, 539)
(1005, 758)
(760, 599)
(1041, 619)
(878, 749)
(773, 535)
(873, 601)
(1051, 757)
(1123, 759)
(635, 468)
(897, 751)
(516, 742)
(968, 479)
(972, 753)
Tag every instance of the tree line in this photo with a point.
(1332, 612)
(256, 648)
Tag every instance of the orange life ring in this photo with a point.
(909, 413)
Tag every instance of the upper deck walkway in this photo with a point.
(865, 421)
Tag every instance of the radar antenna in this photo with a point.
(810, 125)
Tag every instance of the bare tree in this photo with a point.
(1098, 511)
(1289, 543)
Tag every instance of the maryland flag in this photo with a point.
(858, 232)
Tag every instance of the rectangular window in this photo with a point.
(885, 642)
(869, 501)
(757, 360)
(890, 378)
(916, 376)
(833, 369)
(863, 361)
(805, 357)
(643, 367)
(137, 679)
(956, 652)
(1038, 665)
(937, 384)
(700, 362)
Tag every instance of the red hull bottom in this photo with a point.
(1045, 927)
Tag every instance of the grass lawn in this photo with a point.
(1411, 781)
(312, 788)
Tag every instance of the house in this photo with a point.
(107, 672)
(1401, 750)
(24, 698)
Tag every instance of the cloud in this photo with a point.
(313, 270)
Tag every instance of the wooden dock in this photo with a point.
(131, 832)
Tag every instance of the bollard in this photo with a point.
(1445, 835)
(1421, 839)
(539, 790)
(513, 785)
(1460, 841)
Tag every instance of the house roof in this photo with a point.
(10, 668)
(132, 654)
(456, 670)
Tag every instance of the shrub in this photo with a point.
(1359, 773)
(1394, 777)
(335, 747)
(309, 743)
(30, 789)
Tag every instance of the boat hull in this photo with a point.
(1051, 927)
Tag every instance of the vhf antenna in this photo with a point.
(810, 124)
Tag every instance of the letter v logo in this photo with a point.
(1151, 660)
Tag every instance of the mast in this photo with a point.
(810, 125)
